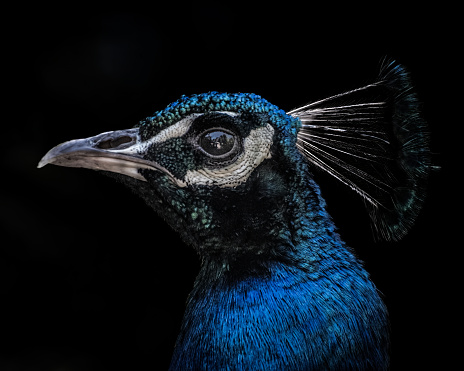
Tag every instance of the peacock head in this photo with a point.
(229, 172)
(219, 168)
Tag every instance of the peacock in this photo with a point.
(233, 174)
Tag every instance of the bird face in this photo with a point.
(212, 149)
(216, 167)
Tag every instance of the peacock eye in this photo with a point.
(217, 142)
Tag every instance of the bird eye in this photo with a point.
(217, 142)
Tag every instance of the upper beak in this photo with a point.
(116, 151)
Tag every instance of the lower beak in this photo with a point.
(115, 151)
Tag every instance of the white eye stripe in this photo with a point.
(177, 130)
(181, 128)
(174, 131)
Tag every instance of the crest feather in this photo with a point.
(373, 140)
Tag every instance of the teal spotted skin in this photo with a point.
(277, 289)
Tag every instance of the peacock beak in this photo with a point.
(118, 151)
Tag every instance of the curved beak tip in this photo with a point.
(47, 159)
(58, 152)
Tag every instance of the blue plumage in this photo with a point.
(278, 289)
(318, 312)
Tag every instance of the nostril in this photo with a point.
(114, 143)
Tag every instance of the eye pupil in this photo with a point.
(217, 143)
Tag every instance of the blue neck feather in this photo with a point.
(319, 311)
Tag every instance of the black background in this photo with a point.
(90, 277)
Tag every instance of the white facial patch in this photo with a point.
(256, 148)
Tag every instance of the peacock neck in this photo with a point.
(300, 312)
(289, 305)
(295, 236)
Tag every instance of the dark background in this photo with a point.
(90, 278)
